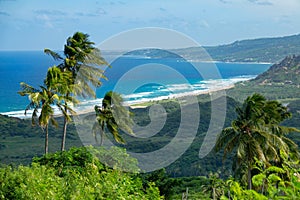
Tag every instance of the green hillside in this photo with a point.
(280, 82)
(285, 73)
(257, 50)
(20, 141)
(270, 50)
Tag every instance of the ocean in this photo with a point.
(138, 79)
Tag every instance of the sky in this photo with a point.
(39, 24)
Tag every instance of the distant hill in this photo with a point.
(286, 72)
(269, 50)
(280, 82)
(257, 50)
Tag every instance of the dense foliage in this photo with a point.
(20, 141)
(74, 174)
(256, 133)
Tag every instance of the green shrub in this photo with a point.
(73, 174)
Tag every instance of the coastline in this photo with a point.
(141, 104)
(230, 62)
(182, 95)
(133, 105)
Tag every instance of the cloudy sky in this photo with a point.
(39, 24)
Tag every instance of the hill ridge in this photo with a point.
(285, 72)
(267, 50)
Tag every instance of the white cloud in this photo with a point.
(225, 1)
(50, 12)
(45, 20)
(95, 13)
(261, 2)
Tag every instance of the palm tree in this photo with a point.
(61, 82)
(250, 135)
(40, 99)
(215, 186)
(80, 58)
(277, 114)
(112, 116)
(44, 98)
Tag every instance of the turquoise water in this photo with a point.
(138, 79)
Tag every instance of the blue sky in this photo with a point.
(39, 24)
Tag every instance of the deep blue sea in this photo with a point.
(137, 79)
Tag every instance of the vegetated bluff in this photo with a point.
(286, 72)
(280, 82)
(270, 50)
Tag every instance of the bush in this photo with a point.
(73, 174)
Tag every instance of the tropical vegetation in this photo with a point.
(263, 155)
(75, 174)
(42, 100)
(257, 133)
(82, 60)
(113, 116)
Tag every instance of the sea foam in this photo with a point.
(159, 93)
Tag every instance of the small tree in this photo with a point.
(112, 115)
(42, 99)
(215, 186)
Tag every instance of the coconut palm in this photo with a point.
(277, 114)
(80, 58)
(42, 99)
(251, 136)
(61, 82)
(215, 186)
(112, 116)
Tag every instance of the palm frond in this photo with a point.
(54, 55)
(223, 138)
(26, 89)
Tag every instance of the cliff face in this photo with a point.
(285, 72)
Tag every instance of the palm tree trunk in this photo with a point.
(214, 193)
(263, 187)
(63, 139)
(102, 135)
(249, 178)
(46, 140)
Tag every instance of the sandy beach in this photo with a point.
(139, 104)
(131, 104)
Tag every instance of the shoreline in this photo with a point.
(133, 105)
(139, 104)
(182, 95)
(230, 62)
